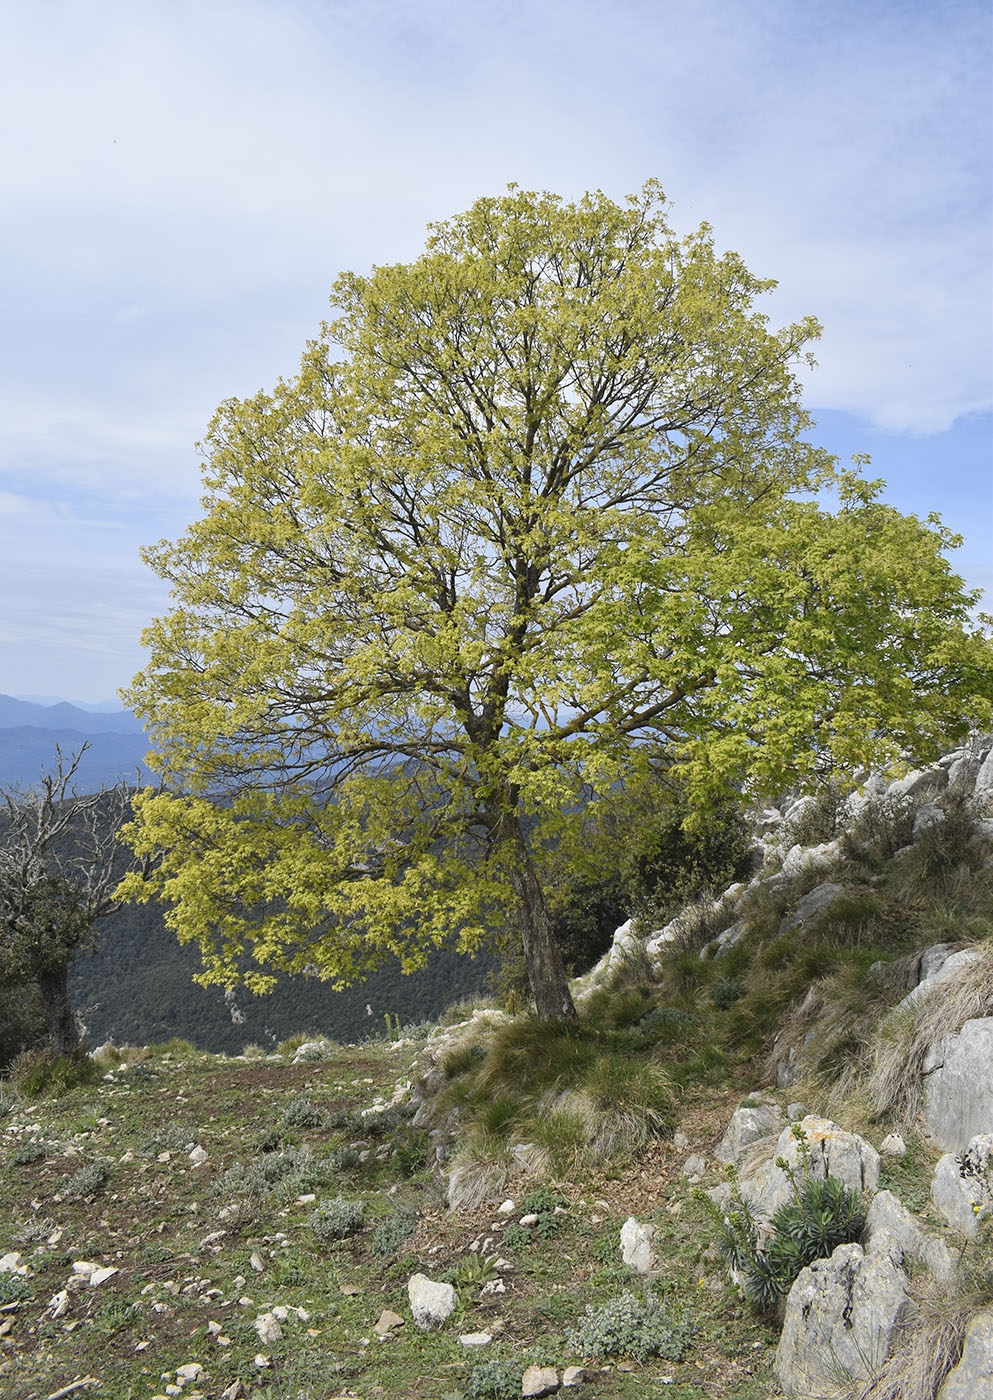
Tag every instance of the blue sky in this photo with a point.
(183, 181)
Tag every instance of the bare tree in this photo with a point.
(60, 865)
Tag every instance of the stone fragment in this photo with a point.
(572, 1376)
(958, 1082)
(12, 1264)
(506, 1208)
(386, 1322)
(748, 1124)
(972, 1378)
(431, 1303)
(694, 1166)
(637, 1248)
(268, 1327)
(198, 1156)
(841, 1315)
(475, 1339)
(190, 1372)
(539, 1380)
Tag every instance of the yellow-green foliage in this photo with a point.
(535, 504)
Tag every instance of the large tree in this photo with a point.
(537, 510)
(60, 864)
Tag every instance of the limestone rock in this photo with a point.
(637, 1248)
(958, 1082)
(812, 905)
(431, 1303)
(748, 1124)
(841, 1315)
(946, 968)
(972, 1378)
(963, 1184)
(539, 1380)
(928, 814)
(893, 1145)
(891, 1229)
(831, 1152)
(386, 1322)
(982, 790)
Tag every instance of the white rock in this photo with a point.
(748, 1124)
(539, 1380)
(475, 1339)
(190, 1372)
(831, 1152)
(431, 1303)
(11, 1264)
(958, 1082)
(637, 1248)
(506, 1208)
(99, 1276)
(962, 1186)
(268, 1328)
(893, 1145)
(530, 1219)
(841, 1316)
(694, 1167)
(198, 1155)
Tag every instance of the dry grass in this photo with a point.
(908, 1034)
(926, 1350)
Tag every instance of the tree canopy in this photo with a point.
(537, 511)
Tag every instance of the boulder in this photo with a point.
(749, 1123)
(963, 1185)
(539, 1380)
(982, 789)
(928, 814)
(958, 1080)
(830, 1151)
(637, 1247)
(813, 904)
(841, 1315)
(972, 1378)
(891, 1229)
(431, 1303)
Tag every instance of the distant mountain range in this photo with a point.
(30, 734)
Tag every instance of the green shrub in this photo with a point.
(13, 1288)
(88, 1180)
(27, 1152)
(301, 1113)
(632, 1327)
(39, 1073)
(392, 1232)
(494, 1379)
(337, 1219)
(725, 994)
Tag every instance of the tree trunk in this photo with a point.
(63, 1033)
(552, 998)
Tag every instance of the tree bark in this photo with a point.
(549, 986)
(63, 1033)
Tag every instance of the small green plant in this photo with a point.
(337, 1219)
(475, 1269)
(494, 1379)
(27, 1152)
(13, 1288)
(88, 1180)
(725, 994)
(391, 1233)
(632, 1327)
(301, 1113)
(516, 1235)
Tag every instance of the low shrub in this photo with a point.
(88, 1180)
(632, 1327)
(337, 1219)
(38, 1074)
(301, 1112)
(494, 1379)
(392, 1233)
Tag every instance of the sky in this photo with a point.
(183, 180)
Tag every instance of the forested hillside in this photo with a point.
(137, 988)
